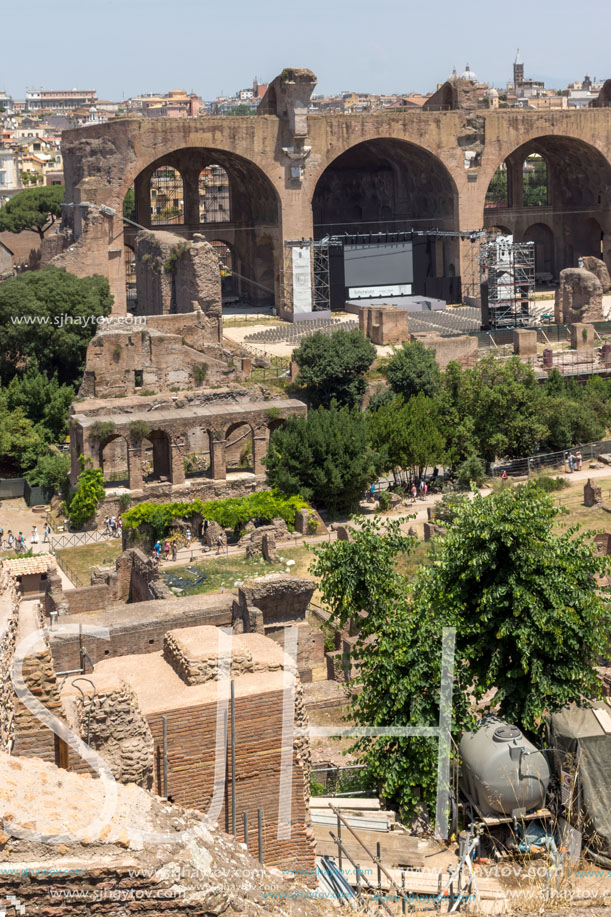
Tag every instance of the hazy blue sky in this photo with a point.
(122, 47)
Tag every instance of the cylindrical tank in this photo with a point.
(502, 774)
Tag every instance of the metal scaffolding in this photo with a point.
(322, 292)
(508, 268)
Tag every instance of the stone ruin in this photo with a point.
(384, 324)
(599, 268)
(578, 297)
(592, 493)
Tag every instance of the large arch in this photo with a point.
(572, 210)
(384, 185)
(240, 447)
(243, 211)
(388, 185)
(113, 460)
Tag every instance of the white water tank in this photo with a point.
(502, 773)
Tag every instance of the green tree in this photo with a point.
(87, 495)
(45, 402)
(35, 209)
(412, 370)
(324, 457)
(471, 473)
(406, 435)
(332, 366)
(129, 204)
(50, 316)
(20, 442)
(531, 622)
(51, 472)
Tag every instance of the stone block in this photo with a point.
(599, 268)
(525, 342)
(578, 297)
(582, 336)
(592, 493)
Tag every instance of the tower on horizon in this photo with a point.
(518, 69)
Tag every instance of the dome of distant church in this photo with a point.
(492, 93)
(469, 75)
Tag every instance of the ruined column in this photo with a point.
(177, 471)
(218, 467)
(260, 442)
(190, 189)
(142, 194)
(134, 453)
(515, 193)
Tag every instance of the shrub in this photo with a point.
(200, 372)
(124, 502)
(139, 430)
(101, 430)
(549, 485)
(471, 473)
(87, 495)
(383, 499)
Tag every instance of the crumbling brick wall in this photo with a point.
(9, 616)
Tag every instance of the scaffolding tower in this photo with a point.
(508, 269)
(322, 291)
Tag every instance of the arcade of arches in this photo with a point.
(555, 192)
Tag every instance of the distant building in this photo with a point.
(518, 70)
(59, 100)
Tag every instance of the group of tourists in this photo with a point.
(574, 461)
(113, 525)
(19, 542)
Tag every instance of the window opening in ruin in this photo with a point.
(214, 204)
(497, 194)
(226, 266)
(138, 378)
(167, 196)
(114, 461)
(198, 454)
(239, 448)
(535, 181)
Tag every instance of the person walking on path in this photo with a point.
(47, 532)
(219, 543)
(166, 548)
(188, 537)
(579, 458)
(174, 550)
(414, 493)
(35, 538)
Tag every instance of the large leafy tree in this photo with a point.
(407, 435)
(324, 457)
(412, 370)
(530, 618)
(35, 209)
(333, 366)
(50, 316)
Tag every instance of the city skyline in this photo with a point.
(345, 55)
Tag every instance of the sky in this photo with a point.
(123, 47)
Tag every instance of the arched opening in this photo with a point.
(388, 186)
(239, 448)
(205, 187)
(129, 257)
(571, 178)
(114, 461)
(384, 185)
(156, 456)
(535, 191)
(497, 194)
(167, 197)
(214, 205)
(497, 230)
(229, 282)
(543, 238)
(198, 453)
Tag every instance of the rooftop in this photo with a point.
(26, 566)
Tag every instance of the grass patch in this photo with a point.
(223, 572)
(83, 559)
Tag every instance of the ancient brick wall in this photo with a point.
(9, 614)
(86, 598)
(191, 738)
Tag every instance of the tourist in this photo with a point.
(47, 532)
(166, 548)
(579, 458)
(188, 537)
(219, 542)
(174, 548)
(107, 530)
(1, 535)
(426, 489)
(113, 526)
(571, 462)
(372, 493)
(34, 539)
(20, 542)
(157, 549)
(10, 540)
(504, 476)
(414, 492)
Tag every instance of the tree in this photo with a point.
(51, 472)
(45, 402)
(412, 370)
(407, 435)
(531, 622)
(50, 316)
(471, 473)
(129, 204)
(324, 457)
(20, 442)
(35, 209)
(332, 366)
(88, 493)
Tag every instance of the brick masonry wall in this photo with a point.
(9, 611)
(86, 598)
(191, 742)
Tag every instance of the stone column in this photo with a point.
(218, 468)
(136, 481)
(515, 166)
(142, 192)
(190, 188)
(260, 443)
(177, 471)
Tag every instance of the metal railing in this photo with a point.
(534, 464)
(75, 578)
(76, 539)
